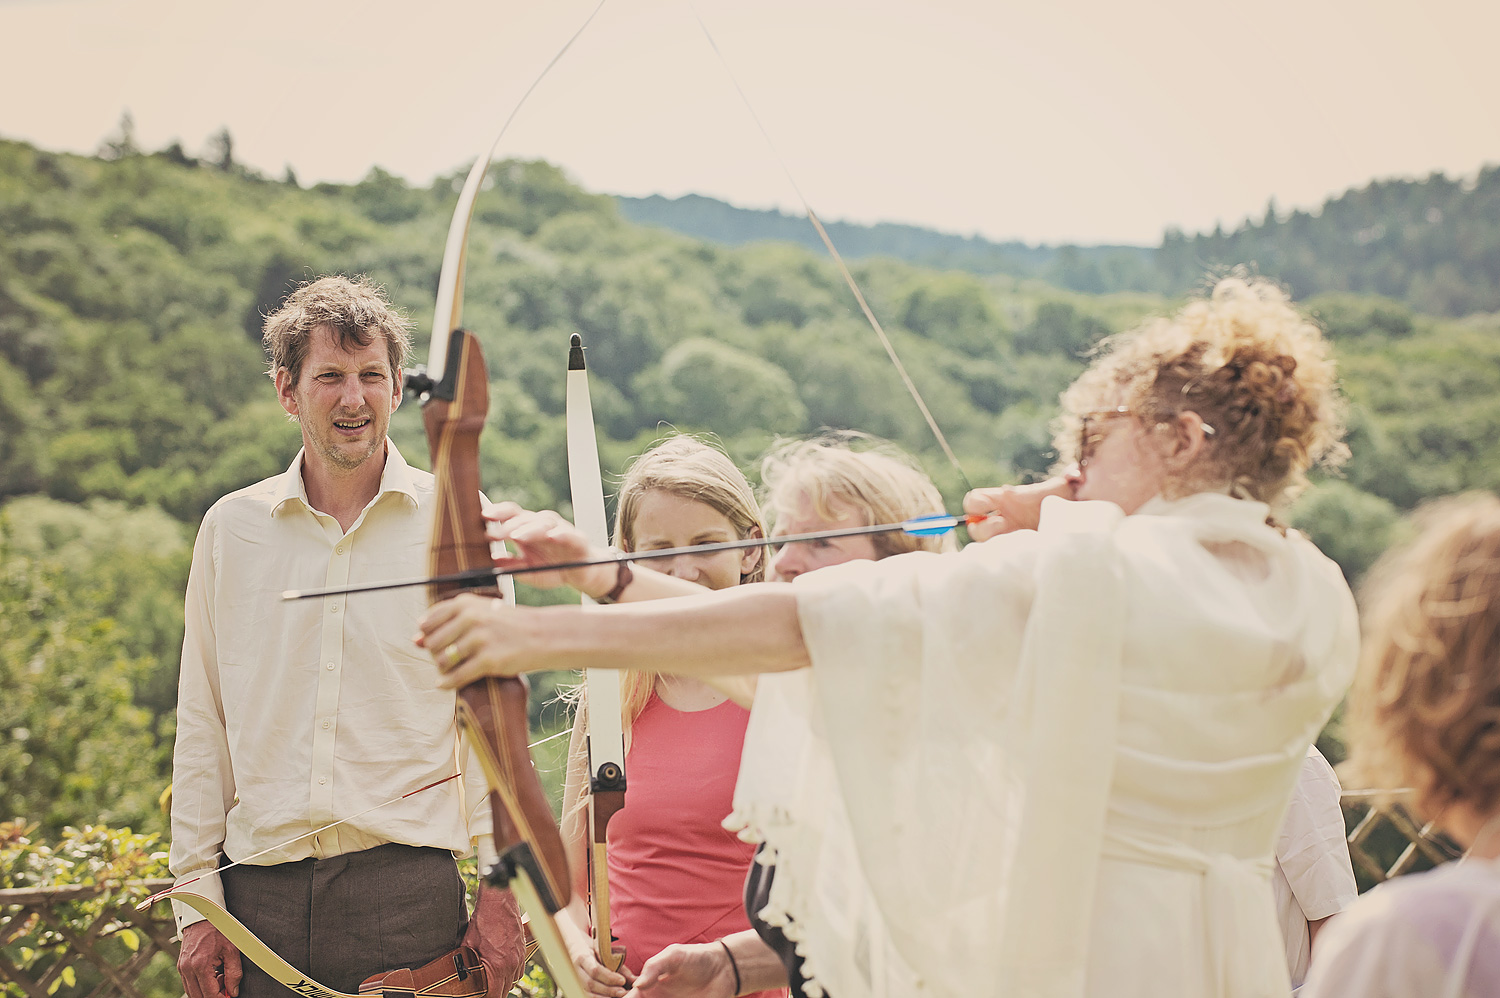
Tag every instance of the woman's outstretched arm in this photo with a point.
(739, 631)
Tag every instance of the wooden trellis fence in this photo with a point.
(1381, 827)
(97, 950)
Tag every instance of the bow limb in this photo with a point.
(250, 946)
(450, 296)
(606, 741)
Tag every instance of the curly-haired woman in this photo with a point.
(1425, 714)
(1053, 763)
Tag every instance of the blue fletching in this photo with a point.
(930, 526)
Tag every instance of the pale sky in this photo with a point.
(1070, 120)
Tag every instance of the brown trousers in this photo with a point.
(339, 920)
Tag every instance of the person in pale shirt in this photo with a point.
(294, 715)
(1313, 879)
(845, 479)
(1425, 714)
(1053, 763)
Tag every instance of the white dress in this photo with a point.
(1424, 935)
(1052, 764)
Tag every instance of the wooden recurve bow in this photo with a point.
(454, 388)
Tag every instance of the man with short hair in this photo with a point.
(294, 715)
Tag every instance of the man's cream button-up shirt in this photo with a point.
(292, 715)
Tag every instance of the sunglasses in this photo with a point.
(1089, 435)
(1089, 438)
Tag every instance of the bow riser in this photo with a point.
(453, 414)
(488, 711)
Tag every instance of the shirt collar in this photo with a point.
(1209, 505)
(397, 477)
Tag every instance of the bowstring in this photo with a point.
(838, 259)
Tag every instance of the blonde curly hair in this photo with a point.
(1425, 709)
(1251, 366)
(878, 480)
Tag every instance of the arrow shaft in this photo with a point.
(927, 525)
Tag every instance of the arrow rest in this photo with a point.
(418, 383)
(420, 380)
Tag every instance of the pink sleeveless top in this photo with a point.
(675, 874)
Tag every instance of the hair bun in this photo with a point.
(1247, 363)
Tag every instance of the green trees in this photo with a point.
(132, 292)
(132, 388)
(1350, 526)
(703, 383)
(90, 622)
(1059, 328)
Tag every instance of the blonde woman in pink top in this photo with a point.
(675, 874)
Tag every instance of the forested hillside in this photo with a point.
(1432, 243)
(132, 393)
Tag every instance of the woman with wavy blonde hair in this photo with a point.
(1053, 763)
(1425, 714)
(674, 872)
(684, 470)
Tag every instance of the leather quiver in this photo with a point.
(459, 974)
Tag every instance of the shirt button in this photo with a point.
(333, 608)
(330, 666)
(322, 781)
(325, 724)
(339, 549)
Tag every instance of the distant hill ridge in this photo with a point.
(1433, 243)
(718, 221)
